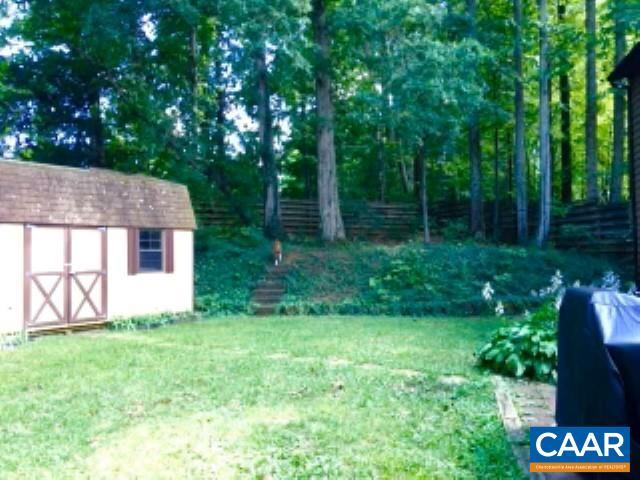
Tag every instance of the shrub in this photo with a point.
(228, 264)
(529, 347)
(216, 304)
(11, 341)
(455, 230)
(526, 349)
(147, 322)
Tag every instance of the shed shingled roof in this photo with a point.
(45, 194)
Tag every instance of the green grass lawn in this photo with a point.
(242, 397)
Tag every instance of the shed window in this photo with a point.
(150, 251)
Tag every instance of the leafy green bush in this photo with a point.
(526, 349)
(229, 262)
(216, 304)
(147, 322)
(455, 230)
(11, 341)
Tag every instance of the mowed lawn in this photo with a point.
(244, 397)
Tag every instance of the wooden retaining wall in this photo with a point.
(588, 227)
(373, 220)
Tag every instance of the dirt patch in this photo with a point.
(452, 380)
(204, 445)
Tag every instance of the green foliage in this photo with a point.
(229, 262)
(146, 322)
(455, 230)
(157, 87)
(526, 349)
(572, 234)
(443, 279)
(10, 341)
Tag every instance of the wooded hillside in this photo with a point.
(331, 100)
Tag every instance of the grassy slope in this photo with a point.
(360, 278)
(436, 279)
(245, 397)
(228, 264)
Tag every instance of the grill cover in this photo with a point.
(599, 364)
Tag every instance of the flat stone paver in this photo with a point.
(524, 404)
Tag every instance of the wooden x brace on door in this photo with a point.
(86, 292)
(47, 295)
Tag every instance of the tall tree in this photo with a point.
(519, 147)
(591, 120)
(272, 221)
(496, 184)
(421, 173)
(566, 146)
(619, 108)
(475, 151)
(544, 128)
(381, 167)
(328, 200)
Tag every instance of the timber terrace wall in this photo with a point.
(587, 227)
(371, 220)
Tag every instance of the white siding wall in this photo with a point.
(146, 293)
(11, 278)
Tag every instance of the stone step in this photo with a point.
(261, 287)
(279, 268)
(269, 290)
(276, 272)
(264, 310)
(272, 279)
(266, 298)
(268, 293)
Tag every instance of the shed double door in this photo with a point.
(65, 275)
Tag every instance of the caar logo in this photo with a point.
(579, 449)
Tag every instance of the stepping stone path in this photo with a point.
(522, 405)
(269, 291)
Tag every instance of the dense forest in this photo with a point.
(397, 100)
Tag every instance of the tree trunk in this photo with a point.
(566, 145)
(272, 223)
(381, 165)
(519, 148)
(328, 200)
(566, 153)
(98, 154)
(307, 166)
(591, 120)
(421, 171)
(477, 209)
(407, 186)
(220, 129)
(476, 216)
(496, 185)
(508, 142)
(619, 108)
(214, 168)
(416, 177)
(544, 129)
(193, 80)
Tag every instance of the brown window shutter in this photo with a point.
(168, 251)
(132, 251)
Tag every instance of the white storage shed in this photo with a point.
(82, 246)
